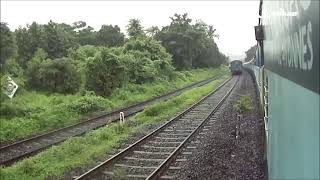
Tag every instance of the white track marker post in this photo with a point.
(121, 117)
(238, 126)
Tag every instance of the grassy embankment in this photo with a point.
(80, 151)
(35, 112)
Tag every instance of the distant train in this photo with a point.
(286, 72)
(235, 67)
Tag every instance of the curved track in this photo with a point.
(31, 146)
(149, 157)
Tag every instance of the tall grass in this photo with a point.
(80, 151)
(35, 112)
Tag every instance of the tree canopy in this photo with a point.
(63, 58)
(191, 45)
(7, 44)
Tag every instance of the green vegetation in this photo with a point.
(191, 44)
(243, 104)
(80, 151)
(67, 71)
(34, 112)
(46, 56)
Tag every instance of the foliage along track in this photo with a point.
(31, 146)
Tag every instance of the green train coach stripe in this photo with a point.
(291, 45)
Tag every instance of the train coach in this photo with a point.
(286, 71)
(235, 67)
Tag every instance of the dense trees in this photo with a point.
(63, 58)
(105, 72)
(54, 41)
(7, 44)
(58, 75)
(110, 36)
(250, 53)
(148, 60)
(191, 45)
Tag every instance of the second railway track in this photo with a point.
(150, 156)
(21, 149)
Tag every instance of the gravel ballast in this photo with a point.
(218, 155)
(215, 152)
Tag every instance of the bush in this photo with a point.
(147, 60)
(83, 54)
(58, 75)
(13, 68)
(12, 110)
(243, 104)
(88, 104)
(33, 69)
(105, 73)
(141, 69)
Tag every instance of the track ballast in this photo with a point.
(150, 156)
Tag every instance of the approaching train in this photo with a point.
(286, 71)
(235, 67)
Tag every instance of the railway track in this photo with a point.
(13, 152)
(149, 157)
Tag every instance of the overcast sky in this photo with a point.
(234, 20)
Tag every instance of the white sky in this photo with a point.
(234, 20)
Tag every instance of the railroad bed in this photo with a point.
(150, 157)
(25, 148)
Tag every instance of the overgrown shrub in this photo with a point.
(83, 54)
(13, 109)
(243, 104)
(105, 73)
(33, 69)
(58, 75)
(88, 104)
(147, 60)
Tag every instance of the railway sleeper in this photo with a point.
(166, 177)
(134, 161)
(196, 114)
(159, 147)
(189, 116)
(165, 143)
(173, 134)
(170, 138)
(150, 154)
(177, 130)
(190, 120)
(110, 174)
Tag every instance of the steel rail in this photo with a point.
(127, 150)
(162, 167)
